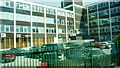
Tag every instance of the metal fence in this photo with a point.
(58, 56)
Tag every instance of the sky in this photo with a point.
(87, 2)
(57, 2)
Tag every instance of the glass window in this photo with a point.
(29, 29)
(36, 8)
(68, 22)
(24, 6)
(25, 28)
(115, 19)
(114, 10)
(2, 28)
(118, 9)
(17, 28)
(62, 21)
(8, 3)
(47, 31)
(41, 9)
(118, 18)
(33, 8)
(47, 10)
(11, 28)
(99, 5)
(52, 11)
(33, 29)
(21, 28)
(7, 28)
(54, 30)
(37, 30)
(11, 4)
(111, 11)
(21, 5)
(106, 3)
(17, 5)
(42, 29)
(27, 7)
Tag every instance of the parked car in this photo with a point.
(88, 54)
(107, 44)
(35, 49)
(34, 52)
(7, 56)
(74, 55)
(52, 54)
(18, 51)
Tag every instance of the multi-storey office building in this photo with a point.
(27, 24)
(76, 6)
(102, 20)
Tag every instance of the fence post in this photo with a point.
(91, 55)
(0, 59)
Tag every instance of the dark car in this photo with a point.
(88, 54)
(35, 49)
(52, 54)
(34, 52)
(18, 51)
(7, 56)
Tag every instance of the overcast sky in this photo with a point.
(57, 2)
(86, 2)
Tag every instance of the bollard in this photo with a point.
(43, 64)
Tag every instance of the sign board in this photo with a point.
(3, 34)
(18, 35)
(26, 36)
(55, 40)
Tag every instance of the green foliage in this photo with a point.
(117, 38)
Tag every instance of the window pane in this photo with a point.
(17, 29)
(21, 29)
(11, 4)
(2, 28)
(11, 29)
(7, 3)
(29, 29)
(7, 29)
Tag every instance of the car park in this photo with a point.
(7, 56)
(34, 52)
(88, 53)
(52, 54)
(72, 55)
(18, 51)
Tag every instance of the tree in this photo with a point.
(117, 46)
(117, 39)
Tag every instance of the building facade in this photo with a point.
(26, 24)
(101, 20)
(76, 6)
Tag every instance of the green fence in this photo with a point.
(57, 56)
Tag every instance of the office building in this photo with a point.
(101, 20)
(76, 6)
(25, 24)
